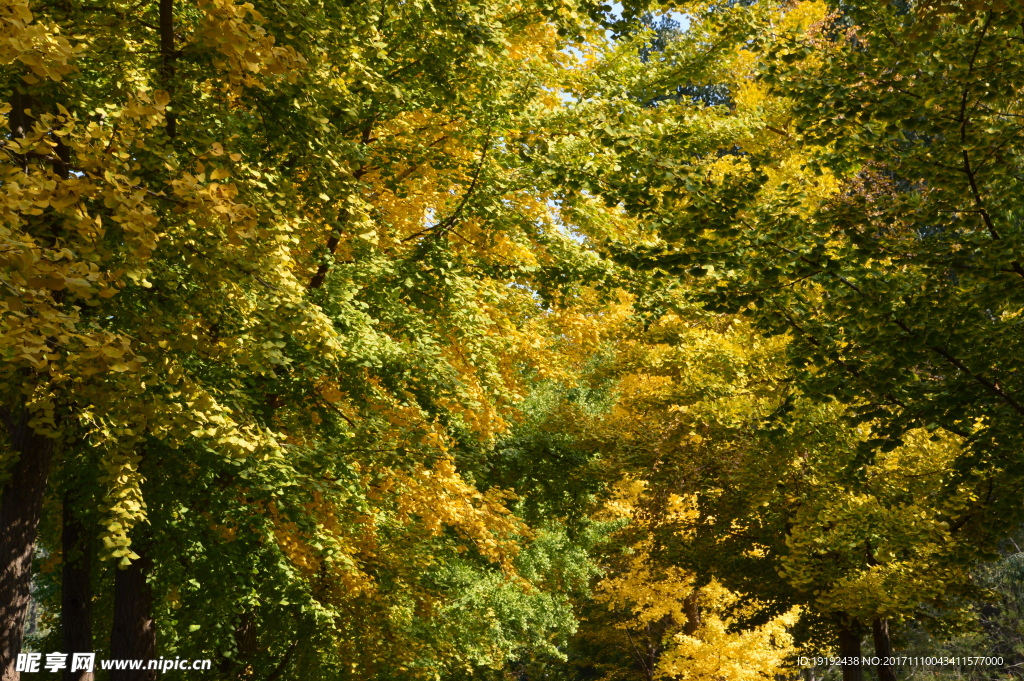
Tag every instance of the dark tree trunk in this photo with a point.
(76, 590)
(849, 649)
(167, 59)
(20, 122)
(133, 636)
(20, 508)
(691, 607)
(883, 649)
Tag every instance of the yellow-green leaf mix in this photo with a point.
(506, 338)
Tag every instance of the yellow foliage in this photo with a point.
(717, 652)
(702, 639)
(247, 50)
(913, 556)
(436, 498)
(35, 44)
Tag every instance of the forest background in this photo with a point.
(512, 339)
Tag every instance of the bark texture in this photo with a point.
(133, 636)
(691, 606)
(883, 649)
(20, 508)
(167, 57)
(849, 648)
(76, 589)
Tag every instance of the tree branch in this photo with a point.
(279, 669)
(991, 386)
(343, 215)
(441, 228)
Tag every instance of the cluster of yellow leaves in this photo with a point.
(766, 118)
(912, 549)
(703, 640)
(334, 549)
(48, 284)
(691, 395)
(34, 271)
(123, 504)
(718, 652)
(437, 498)
(186, 413)
(420, 168)
(246, 48)
(558, 344)
(649, 592)
(32, 43)
(338, 548)
(476, 410)
(688, 385)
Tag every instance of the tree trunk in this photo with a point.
(20, 508)
(691, 607)
(849, 649)
(76, 590)
(167, 59)
(883, 649)
(133, 636)
(20, 122)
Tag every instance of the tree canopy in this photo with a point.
(510, 338)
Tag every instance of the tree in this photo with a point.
(899, 289)
(676, 628)
(291, 246)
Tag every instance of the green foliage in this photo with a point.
(440, 340)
